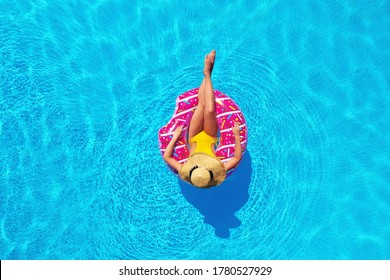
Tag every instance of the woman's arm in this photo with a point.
(169, 150)
(237, 149)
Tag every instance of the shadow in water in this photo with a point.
(219, 204)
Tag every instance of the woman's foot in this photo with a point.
(209, 63)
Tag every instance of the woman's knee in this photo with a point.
(210, 110)
(201, 103)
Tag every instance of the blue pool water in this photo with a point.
(85, 86)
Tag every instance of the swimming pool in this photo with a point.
(86, 85)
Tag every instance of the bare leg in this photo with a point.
(197, 120)
(210, 125)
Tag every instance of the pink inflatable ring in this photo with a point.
(227, 112)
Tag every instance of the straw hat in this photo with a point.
(203, 171)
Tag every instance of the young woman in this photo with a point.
(203, 169)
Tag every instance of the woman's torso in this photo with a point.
(203, 143)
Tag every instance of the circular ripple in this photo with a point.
(288, 150)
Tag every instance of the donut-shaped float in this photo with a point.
(227, 112)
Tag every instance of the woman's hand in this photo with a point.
(236, 130)
(237, 149)
(177, 132)
(170, 148)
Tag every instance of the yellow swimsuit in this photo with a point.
(203, 143)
